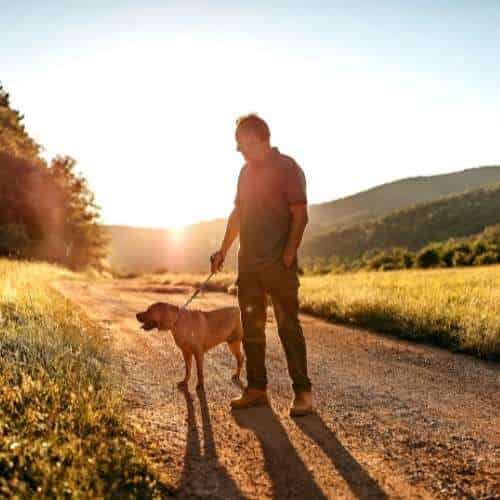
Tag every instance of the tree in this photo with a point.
(46, 212)
(14, 139)
(84, 241)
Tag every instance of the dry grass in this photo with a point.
(218, 283)
(457, 308)
(60, 430)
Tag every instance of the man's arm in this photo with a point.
(232, 231)
(298, 225)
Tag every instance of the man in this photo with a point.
(270, 216)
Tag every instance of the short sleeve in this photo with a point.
(296, 186)
(237, 198)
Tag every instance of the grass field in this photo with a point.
(60, 430)
(456, 308)
(220, 282)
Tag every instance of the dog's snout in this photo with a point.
(140, 316)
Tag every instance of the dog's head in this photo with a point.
(158, 315)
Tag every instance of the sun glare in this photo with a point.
(176, 233)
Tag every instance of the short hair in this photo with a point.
(254, 123)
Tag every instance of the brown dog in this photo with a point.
(195, 332)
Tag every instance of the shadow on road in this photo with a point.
(358, 480)
(203, 475)
(287, 472)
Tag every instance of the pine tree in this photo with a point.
(83, 239)
(46, 213)
(14, 139)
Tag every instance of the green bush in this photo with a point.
(428, 257)
(14, 241)
(486, 258)
(62, 434)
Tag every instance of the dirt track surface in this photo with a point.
(394, 419)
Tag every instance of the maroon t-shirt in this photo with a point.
(265, 192)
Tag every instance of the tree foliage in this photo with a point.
(455, 216)
(46, 211)
(477, 250)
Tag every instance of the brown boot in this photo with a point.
(250, 397)
(302, 404)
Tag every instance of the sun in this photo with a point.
(176, 233)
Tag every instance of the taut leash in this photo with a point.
(196, 292)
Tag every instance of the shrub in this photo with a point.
(460, 258)
(428, 257)
(486, 258)
(14, 241)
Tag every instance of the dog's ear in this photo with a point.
(164, 315)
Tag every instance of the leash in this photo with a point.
(196, 292)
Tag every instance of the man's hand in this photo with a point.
(289, 256)
(217, 261)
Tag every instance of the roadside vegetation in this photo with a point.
(454, 308)
(477, 250)
(220, 282)
(61, 434)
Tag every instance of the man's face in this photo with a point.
(251, 146)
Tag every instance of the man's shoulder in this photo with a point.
(288, 164)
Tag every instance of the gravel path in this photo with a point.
(394, 419)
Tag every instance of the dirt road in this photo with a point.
(394, 419)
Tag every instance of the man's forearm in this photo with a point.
(298, 225)
(232, 232)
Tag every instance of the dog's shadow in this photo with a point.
(203, 475)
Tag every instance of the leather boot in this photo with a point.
(250, 397)
(302, 404)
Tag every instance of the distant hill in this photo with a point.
(451, 217)
(383, 199)
(140, 249)
(146, 250)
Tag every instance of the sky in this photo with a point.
(144, 94)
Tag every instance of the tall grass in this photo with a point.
(457, 308)
(60, 431)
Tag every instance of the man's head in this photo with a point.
(252, 138)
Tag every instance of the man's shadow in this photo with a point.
(287, 472)
(203, 475)
(358, 480)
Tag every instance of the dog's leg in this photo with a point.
(188, 358)
(198, 356)
(234, 347)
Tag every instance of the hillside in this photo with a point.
(146, 249)
(454, 216)
(383, 199)
(140, 249)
